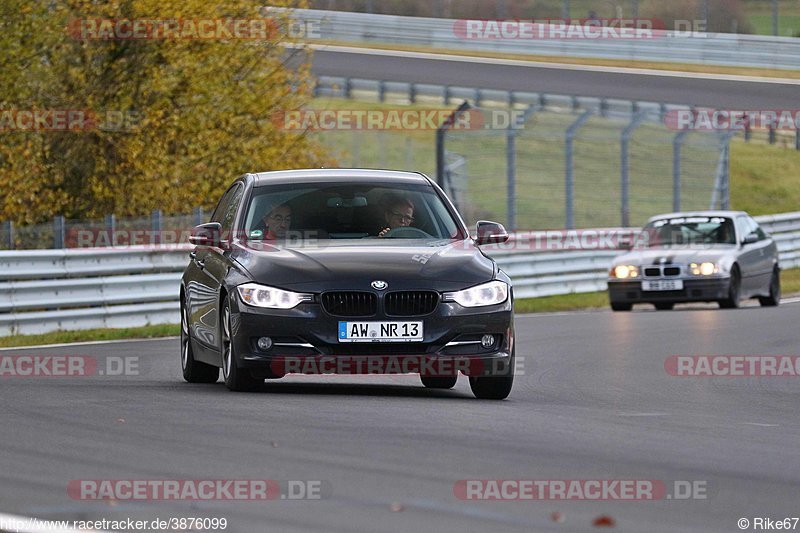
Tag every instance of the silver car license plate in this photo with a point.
(663, 285)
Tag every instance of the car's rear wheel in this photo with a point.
(236, 379)
(439, 382)
(734, 291)
(621, 306)
(496, 387)
(664, 306)
(193, 371)
(774, 297)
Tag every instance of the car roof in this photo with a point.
(708, 213)
(338, 174)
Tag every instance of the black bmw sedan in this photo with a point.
(345, 271)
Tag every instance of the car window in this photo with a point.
(347, 211)
(222, 206)
(684, 231)
(754, 227)
(234, 198)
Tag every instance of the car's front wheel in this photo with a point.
(193, 371)
(439, 382)
(734, 291)
(494, 387)
(621, 306)
(774, 297)
(236, 379)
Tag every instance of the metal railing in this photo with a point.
(47, 290)
(708, 49)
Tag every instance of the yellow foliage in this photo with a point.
(194, 114)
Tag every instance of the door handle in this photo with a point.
(193, 255)
(200, 263)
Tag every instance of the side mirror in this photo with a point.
(490, 233)
(751, 238)
(206, 234)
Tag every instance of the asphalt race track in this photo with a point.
(595, 402)
(692, 90)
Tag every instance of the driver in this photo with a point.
(399, 214)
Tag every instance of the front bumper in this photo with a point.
(305, 340)
(694, 290)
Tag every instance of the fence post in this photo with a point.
(775, 17)
(797, 140)
(198, 216)
(677, 144)
(155, 226)
(772, 136)
(569, 179)
(441, 131)
(59, 233)
(110, 224)
(625, 166)
(511, 164)
(8, 229)
(565, 9)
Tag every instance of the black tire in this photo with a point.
(236, 379)
(664, 306)
(193, 371)
(774, 298)
(621, 306)
(439, 382)
(734, 291)
(493, 387)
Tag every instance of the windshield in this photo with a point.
(688, 231)
(309, 212)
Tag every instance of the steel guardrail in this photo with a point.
(65, 289)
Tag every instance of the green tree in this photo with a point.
(196, 112)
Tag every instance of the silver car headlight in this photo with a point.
(625, 271)
(270, 297)
(703, 269)
(492, 293)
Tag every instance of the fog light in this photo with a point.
(264, 343)
(487, 341)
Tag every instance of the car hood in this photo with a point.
(673, 255)
(451, 266)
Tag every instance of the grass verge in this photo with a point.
(60, 337)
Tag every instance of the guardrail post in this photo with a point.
(381, 91)
(155, 226)
(625, 166)
(677, 144)
(412, 93)
(199, 216)
(478, 96)
(446, 95)
(59, 231)
(8, 230)
(348, 88)
(111, 229)
(603, 108)
(569, 178)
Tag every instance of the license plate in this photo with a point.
(663, 285)
(380, 331)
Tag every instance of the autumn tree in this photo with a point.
(173, 118)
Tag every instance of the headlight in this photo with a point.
(703, 269)
(270, 297)
(625, 271)
(492, 293)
